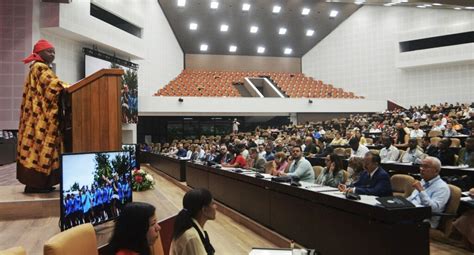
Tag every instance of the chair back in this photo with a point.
(401, 185)
(74, 241)
(348, 152)
(14, 251)
(317, 170)
(435, 140)
(455, 143)
(435, 133)
(340, 151)
(446, 223)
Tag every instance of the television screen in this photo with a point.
(133, 149)
(94, 186)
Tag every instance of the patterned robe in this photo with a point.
(39, 140)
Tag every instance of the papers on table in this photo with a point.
(370, 200)
(317, 188)
(466, 199)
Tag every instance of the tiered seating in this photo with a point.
(220, 83)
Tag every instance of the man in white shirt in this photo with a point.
(357, 150)
(432, 191)
(413, 153)
(416, 132)
(388, 152)
(438, 126)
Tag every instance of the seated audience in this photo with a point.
(299, 166)
(355, 168)
(416, 132)
(261, 150)
(413, 153)
(445, 153)
(310, 149)
(438, 126)
(269, 155)
(402, 134)
(374, 181)
(189, 236)
(333, 174)
(224, 156)
(357, 149)
(389, 152)
(182, 152)
(450, 131)
(432, 191)
(280, 164)
(338, 140)
(255, 162)
(429, 148)
(238, 161)
(466, 155)
(135, 230)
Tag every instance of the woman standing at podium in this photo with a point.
(39, 140)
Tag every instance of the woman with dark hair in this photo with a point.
(189, 236)
(333, 174)
(135, 230)
(239, 161)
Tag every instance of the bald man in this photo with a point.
(431, 191)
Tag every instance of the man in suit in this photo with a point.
(373, 181)
(466, 155)
(224, 156)
(445, 153)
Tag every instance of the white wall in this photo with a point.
(361, 54)
(248, 106)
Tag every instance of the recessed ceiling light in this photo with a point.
(333, 13)
(203, 47)
(245, 7)
(437, 4)
(428, 5)
(193, 26)
(232, 48)
(276, 9)
(359, 2)
(181, 3)
(214, 5)
(457, 8)
(421, 6)
(261, 49)
(224, 28)
(288, 51)
(282, 31)
(305, 11)
(470, 8)
(253, 29)
(309, 32)
(389, 4)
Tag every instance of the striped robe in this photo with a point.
(39, 140)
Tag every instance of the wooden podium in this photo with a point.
(92, 113)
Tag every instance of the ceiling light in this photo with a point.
(203, 47)
(193, 26)
(470, 8)
(181, 3)
(437, 4)
(214, 5)
(261, 49)
(282, 31)
(457, 8)
(309, 32)
(305, 11)
(276, 9)
(245, 7)
(421, 6)
(288, 51)
(333, 13)
(224, 28)
(253, 29)
(428, 5)
(233, 48)
(359, 2)
(389, 4)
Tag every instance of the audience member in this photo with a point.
(357, 149)
(388, 153)
(299, 166)
(432, 191)
(413, 153)
(445, 153)
(466, 155)
(255, 162)
(333, 174)
(416, 132)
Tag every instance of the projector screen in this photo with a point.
(129, 90)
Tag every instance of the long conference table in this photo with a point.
(316, 216)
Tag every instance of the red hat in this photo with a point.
(39, 46)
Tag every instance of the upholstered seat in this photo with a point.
(78, 240)
(401, 185)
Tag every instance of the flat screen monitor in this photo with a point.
(94, 187)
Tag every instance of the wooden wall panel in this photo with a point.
(103, 113)
(95, 117)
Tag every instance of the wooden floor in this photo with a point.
(8, 175)
(227, 235)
